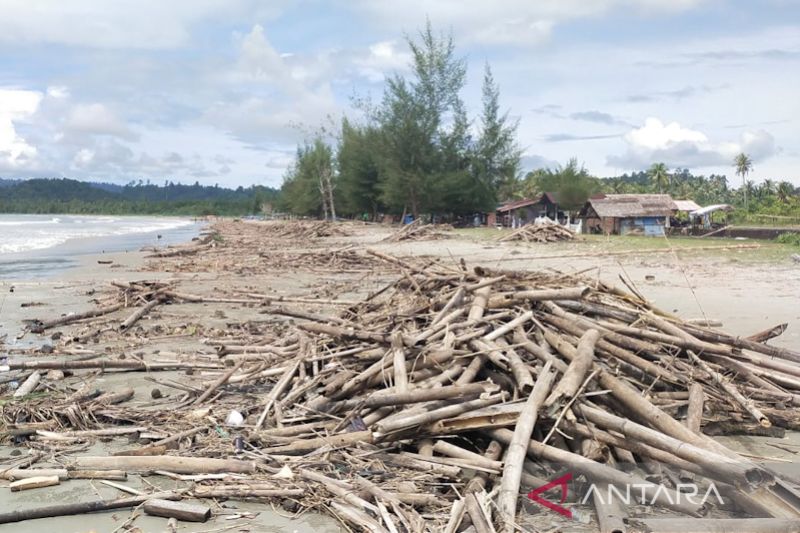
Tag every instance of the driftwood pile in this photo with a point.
(540, 232)
(248, 248)
(420, 231)
(433, 405)
(200, 244)
(302, 229)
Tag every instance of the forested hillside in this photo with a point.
(77, 197)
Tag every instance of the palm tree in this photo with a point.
(768, 187)
(785, 190)
(743, 165)
(659, 174)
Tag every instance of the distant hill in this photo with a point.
(72, 196)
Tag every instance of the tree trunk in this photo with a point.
(329, 185)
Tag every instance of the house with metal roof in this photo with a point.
(627, 214)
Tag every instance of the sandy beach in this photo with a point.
(746, 289)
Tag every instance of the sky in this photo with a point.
(221, 91)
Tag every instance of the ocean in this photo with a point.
(34, 246)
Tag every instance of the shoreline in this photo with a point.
(59, 287)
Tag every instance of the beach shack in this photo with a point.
(627, 214)
(520, 212)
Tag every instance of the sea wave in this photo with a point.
(21, 234)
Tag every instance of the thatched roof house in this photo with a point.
(644, 214)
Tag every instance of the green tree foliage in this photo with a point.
(50, 196)
(571, 183)
(358, 158)
(659, 174)
(424, 127)
(304, 191)
(496, 158)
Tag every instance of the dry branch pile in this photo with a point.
(419, 231)
(540, 232)
(302, 229)
(248, 248)
(436, 402)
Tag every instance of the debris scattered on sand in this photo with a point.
(420, 231)
(540, 232)
(432, 403)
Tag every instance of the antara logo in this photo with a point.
(560, 482)
(646, 493)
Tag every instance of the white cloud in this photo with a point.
(276, 99)
(678, 146)
(381, 58)
(58, 92)
(118, 24)
(15, 105)
(97, 119)
(519, 22)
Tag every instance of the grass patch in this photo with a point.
(791, 239)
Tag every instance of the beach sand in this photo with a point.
(746, 290)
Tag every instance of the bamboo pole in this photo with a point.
(572, 379)
(737, 396)
(517, 449)
(179, 465)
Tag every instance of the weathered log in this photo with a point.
(514, 298)
(713, 525)
(333, 441)
(245, 492)
(68, 509)
(745, 403)
(520, 371)
(478, 482)
(608, 510)
(104, 364)
(767, 334)
(517, 449)
(576, 371)
(481, 522)
(718, 466)
(139, 313)
(39, 326)
(29, 385)
(24, 473)
(399, 363)
(457, 452)
(648, 492)
(387, 426)
(112, 475)
(35, 482)
(218, 383)
(179, 465)
(185, 512)
(381, 399)
(694, 414)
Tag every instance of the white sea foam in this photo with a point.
(20, 233)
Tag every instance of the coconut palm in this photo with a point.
(743, 165)
(784, 191)
(768, 187)
(659, 174)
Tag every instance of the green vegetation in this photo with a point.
(68, 196)
(416, 151)
(792, 239)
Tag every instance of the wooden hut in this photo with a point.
(627, 214)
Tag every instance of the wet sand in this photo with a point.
(744, 292)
